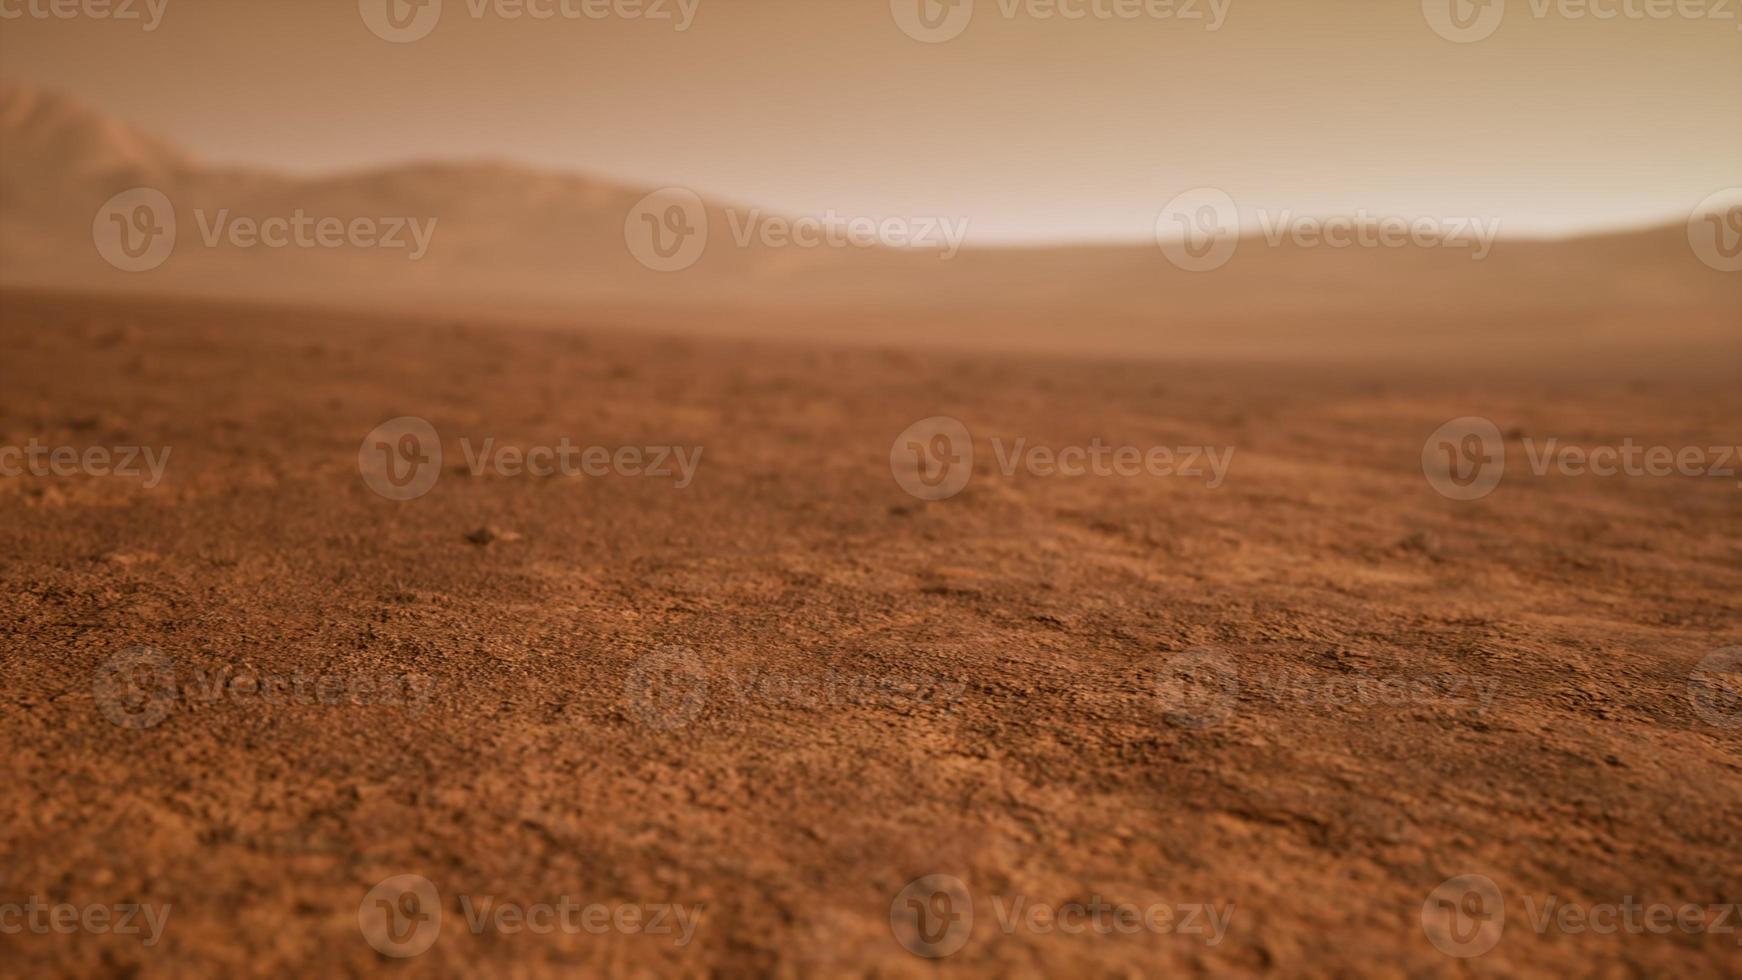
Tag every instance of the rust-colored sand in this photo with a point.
(889, 688)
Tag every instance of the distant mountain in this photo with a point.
(511, 241)
(53, 138)
(498, 232)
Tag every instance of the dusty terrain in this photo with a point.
(790, 688)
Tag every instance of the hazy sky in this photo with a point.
(1033, 127)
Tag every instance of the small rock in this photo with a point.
(47, 498)
(1422, 542)
(490, 535)
(118, 335)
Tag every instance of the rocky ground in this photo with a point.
(1270, 714)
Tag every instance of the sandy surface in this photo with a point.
(790, 688)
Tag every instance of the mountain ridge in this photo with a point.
(507, 238)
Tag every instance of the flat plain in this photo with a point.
(789, 688)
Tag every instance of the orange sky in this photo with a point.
(1033, 128)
